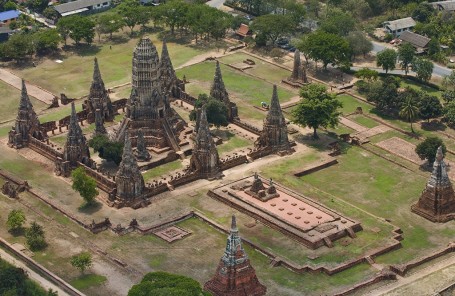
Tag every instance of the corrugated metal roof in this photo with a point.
(76, 5)
(415, 39)
(8, 15)
(403, 23)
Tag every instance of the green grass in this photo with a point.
(162, 170)
(350, 104)
(364, 121)
(9, 102)
(234, 142)
(412, 84)
(74, 75)
(59, 113)
(245, 88)
(87, 280)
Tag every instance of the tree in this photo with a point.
(46, 40)
(174, 13)
(85, 185)
(82, 261)
(338, 23)
(163, 283)
(409, 111)
(109, 24)
(423, 12)
(16, 220)
(50, 13)
(317, 108)
(429, 107)
(130, 11)
(37, 5)
(328, 48)
(385, 94)
(107, 149)
(359, 44)
(427, 149)
(406, 54)
(18, 47)
(449, 81)
(217, 112)
(367, 74)
(77, 28)
(423, 68)
(35, 237)
(448, 96)
(273, 26)
(449, 113)
(386, 59)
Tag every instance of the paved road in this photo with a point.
(437, 70)
(43, 282)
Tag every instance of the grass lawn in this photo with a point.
(9, 102)
(415, 85)
(74, 75)
(233, 143)
(350, 104)
(246, 88)
(60, 112)
(87, 280)
(162, 170)
(364, 121)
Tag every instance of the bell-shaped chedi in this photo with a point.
(98, 98)
(437, 202)
(235, 276)
(204, 159)
(76, 148)
(27, 123)
(274, 133)
(129, 181)
(169, 81)
(219, 92)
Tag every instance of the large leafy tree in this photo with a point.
(84, 184)
(273, 26)
(107, 149)
(131, 12)
(77, 28)
(423, 68)
(173, 13)
(386, 59)
(46, 40)
(449, 81)
(359, 44)
(338, 23)
(18, 47)
(16, 220)
(35, 237)
(385, 94)
(317, 108)
(406, 54)
(409, 111)
(429, 107)
(109, 23)
(427, 149)
(328, 48)
(449, 113)
(217, 112)
(82, 261)
(163, 283)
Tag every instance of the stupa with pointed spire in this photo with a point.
(437, 202)
(298, 71)
(99, 124)
(129, 181)
(148, 107)
(205, 159)
(27, 123)
(274, 133)
(219, 92)
(76, 148)
(98, 98)
(170, 83)
(235, 276)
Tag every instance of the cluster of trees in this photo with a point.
(107, 149)
(26, 44)
(427, 149)
(34, 234)
(217, 112)
(263, 7)
(14, 281)
(85, 185)
(318, 108)
(163, 283)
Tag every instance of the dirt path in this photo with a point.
(43, 282)
(202, 57)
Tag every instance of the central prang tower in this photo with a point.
(148, 107)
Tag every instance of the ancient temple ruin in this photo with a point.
(205, 160)
(259, 191)
(98, 98)
(75, 149)
(27, 124)
(129, 181)
(437, 202)
(274, 135)
(99, 124)
(142, 154)
(148, 108)
(218, 91)
(235, 276)
(171, 85)
(298, 70)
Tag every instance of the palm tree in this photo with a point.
(409, 111)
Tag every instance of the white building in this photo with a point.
(397, 27)
(82, 6)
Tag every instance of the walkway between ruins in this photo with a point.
(33, 90)
(32, 274)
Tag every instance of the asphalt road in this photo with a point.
(437, 70)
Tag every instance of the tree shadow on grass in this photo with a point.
(17, 232)
(90, 208)
(83, 49)
(434, 125)
(182, 39)
(118, 39)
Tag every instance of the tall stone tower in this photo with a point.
(298, 71)
(218, 91)
(169, 81)
(76, 148)
(98, 98)
(129, 180)
(27, 123)
(148, 108)
(274, 134)
(99, 124)
(235, 276)
(205, 159)
(437, 202)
